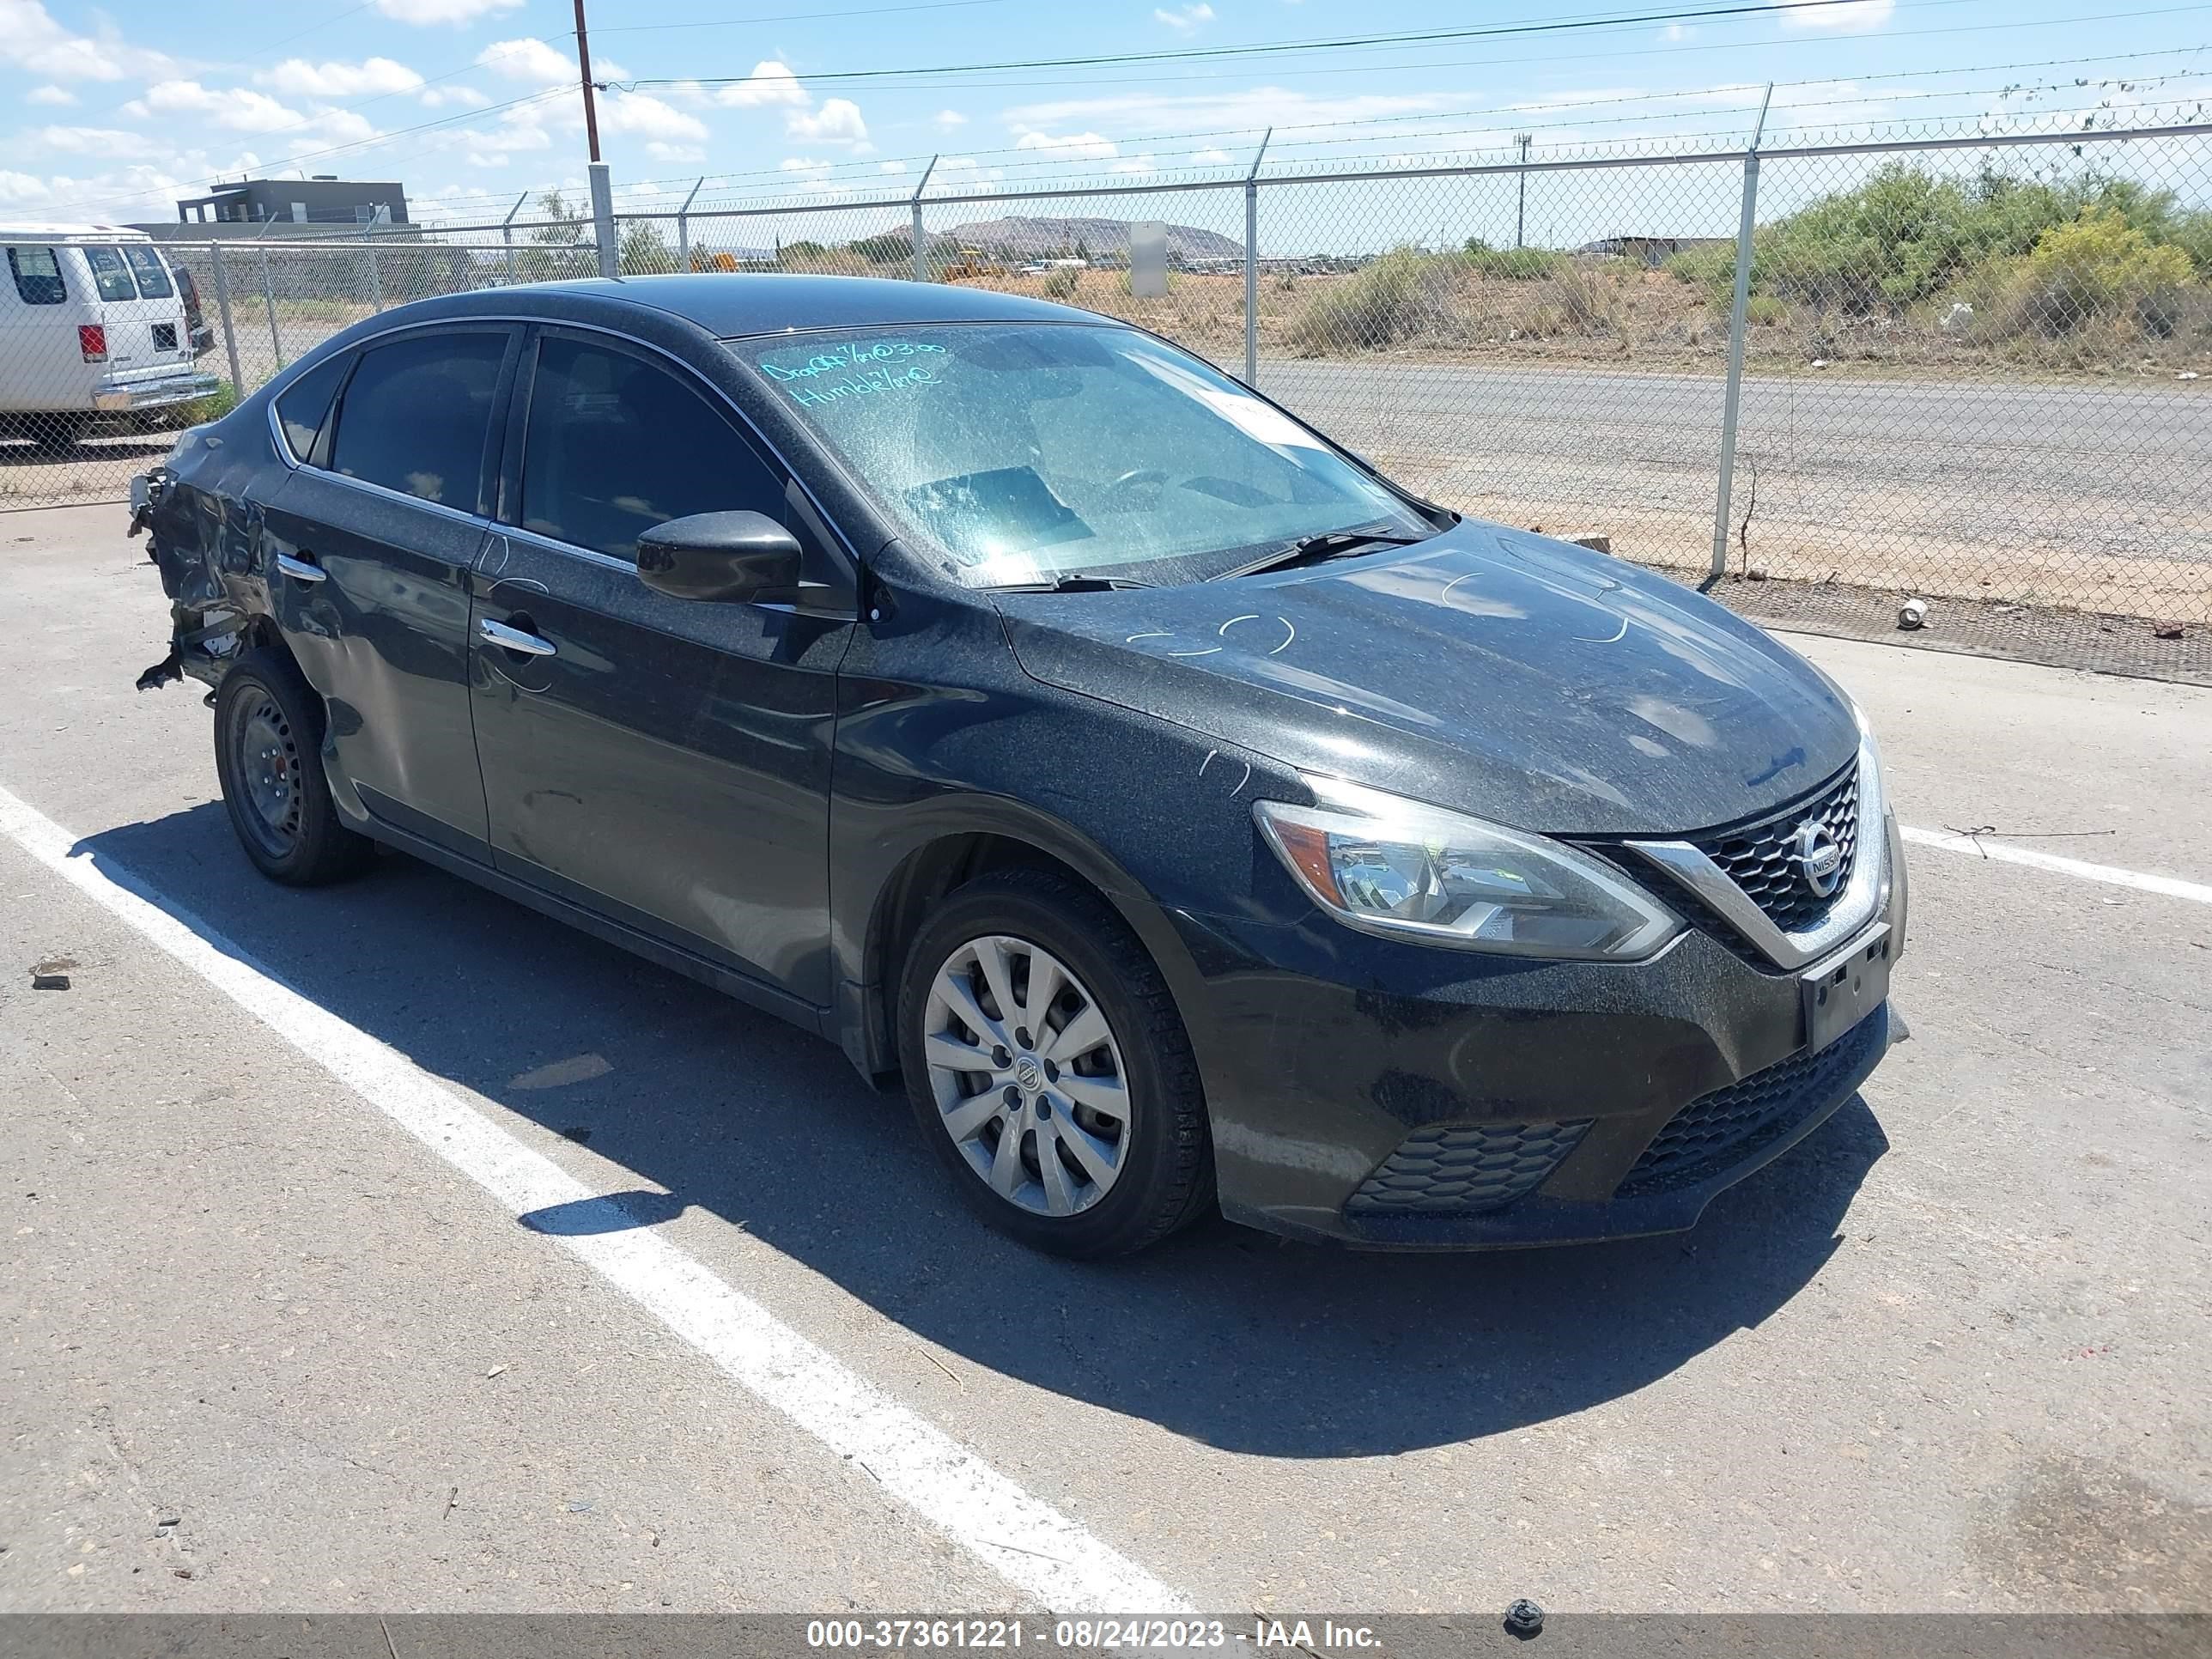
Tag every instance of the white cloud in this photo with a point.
(967, 170)
(530, 60)
(770, 82)
(661, 151)
(92, 141)
(1859, 14)
(50, 96)
(892, 167)
(1075, 146)
(338, 126)
(32, 41)
(643, 116)
(425, 13)
(453, 98)
(949, 120)
(837, 121)
(1674, 32)
(806, 167)
(1183, 22)
(242, 109)
(1252, 108)
(1211, 158)
(371, 77)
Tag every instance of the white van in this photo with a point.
(92, 323)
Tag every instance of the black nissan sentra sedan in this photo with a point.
(1181, 812)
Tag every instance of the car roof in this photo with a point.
(732, 305)
(23, 231)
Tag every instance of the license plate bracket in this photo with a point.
(1845, 989)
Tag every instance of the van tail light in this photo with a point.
(92, 340)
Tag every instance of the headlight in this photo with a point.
(1406, 871)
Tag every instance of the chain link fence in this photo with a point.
(1966, 368)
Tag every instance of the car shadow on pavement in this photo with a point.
(1226, 1336)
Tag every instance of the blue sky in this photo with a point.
(114, 110)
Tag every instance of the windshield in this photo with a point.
(1027, 453)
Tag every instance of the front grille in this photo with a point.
(1467, 1169)
(165, 336)
(1761, 859)
(1726, 1127)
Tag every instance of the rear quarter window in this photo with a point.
(153, 275)
(110, 276)
(38, 275)
(303, 406)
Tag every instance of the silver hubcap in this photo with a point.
(1027, 1075)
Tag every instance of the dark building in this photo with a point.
(325, 199)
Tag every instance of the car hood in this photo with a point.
(1529, 681)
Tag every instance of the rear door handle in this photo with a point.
(513, 639)
(300, 570)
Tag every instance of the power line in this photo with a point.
(1339, 69)
(875, 166)
(1344, 42)
(794, 17)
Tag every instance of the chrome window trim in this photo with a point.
(553, 544)
(1862, 899)
(843, 544)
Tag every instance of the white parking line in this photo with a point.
(1034, 1547)
(1998, 853)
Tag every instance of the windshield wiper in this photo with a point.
(1071, 584)
(1312, 549)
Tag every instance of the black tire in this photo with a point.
(56, 435)
(1165, 1174)
(267, 755)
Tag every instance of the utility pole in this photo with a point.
(1520, 216)
(584, 70)
(603, 190)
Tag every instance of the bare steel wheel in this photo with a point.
(1048, 1067)
(268, 754)
(1026, 1074)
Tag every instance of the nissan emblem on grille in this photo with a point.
(1819, 856)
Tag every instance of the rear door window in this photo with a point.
(617, 445)
(110, 276)
(153, 275)
(38, 275)
(414, 416)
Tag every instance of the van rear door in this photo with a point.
(140, 311)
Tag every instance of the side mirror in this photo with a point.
(728, 557)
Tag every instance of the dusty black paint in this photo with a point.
(762, 797)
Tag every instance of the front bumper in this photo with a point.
(1395, 1095)
(154, 392)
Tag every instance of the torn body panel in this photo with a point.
(205, 510)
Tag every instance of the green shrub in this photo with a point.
(1763, 311)
(2099, 267)
(1404, 295)
(200, 410)
(1062, 281)
(1513, 264)
(1711, 268)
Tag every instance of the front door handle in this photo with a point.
(300, 570)
(513, 639)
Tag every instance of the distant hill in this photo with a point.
(1041, 239)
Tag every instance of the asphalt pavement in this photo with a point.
(389, 1247)
(2088, 493)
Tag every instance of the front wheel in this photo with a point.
(268, 743)
(1050, 1070)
